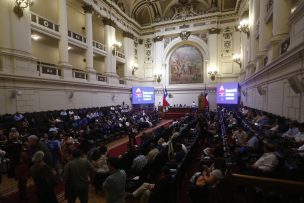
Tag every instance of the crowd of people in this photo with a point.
(244, 140)
(47, 145)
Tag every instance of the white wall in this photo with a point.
(279, 98)
(46, 96)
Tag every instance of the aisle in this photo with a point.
(120, 146)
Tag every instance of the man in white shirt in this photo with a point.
(268, 161)
(193, 105)
(292, 131)
(299, 137)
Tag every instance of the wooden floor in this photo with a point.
(9, 185)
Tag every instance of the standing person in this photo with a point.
(99, 161)
(36, 145)
(132, 133)
(55, 149)
(114, 185)
(76, 174)
(43, 179)
(22, 173)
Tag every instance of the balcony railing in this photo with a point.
(77, 37)
(122, 82)
(48, 68)
(101, 78)
(99, 46)
(119, 54)
(36, 19)
(80, 74)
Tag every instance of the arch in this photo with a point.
(178, 42)
(192, 40)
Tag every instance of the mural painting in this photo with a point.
(186, 66)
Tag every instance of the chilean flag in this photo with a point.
(165, 102)
(206, 102)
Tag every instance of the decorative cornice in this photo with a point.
(128, 35)
(87, 8)
(158, 38)
(108, 21)
(279, 63)
(184, 35)
(214, 30)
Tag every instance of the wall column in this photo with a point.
(281, 12)
(212, 45)
(88, 9)
(63, 42)
(264, 35)
(15, 41)
(128, 44)
(253, 16)
(110, 60)
(159, 66)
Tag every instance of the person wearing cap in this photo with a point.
(36, 145)
(43, 179)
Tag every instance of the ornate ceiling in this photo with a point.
(145, 12)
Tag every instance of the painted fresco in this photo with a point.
(186, 66)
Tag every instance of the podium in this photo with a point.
(201, 102)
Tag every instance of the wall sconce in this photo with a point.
(237, 59)
(158, 77)
(116, 45)
(20, 5)
(244, 26)
(134, 69)
(212, 74)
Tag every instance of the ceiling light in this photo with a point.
(35, 37)
(69, 48)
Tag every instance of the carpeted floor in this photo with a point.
(122, 146)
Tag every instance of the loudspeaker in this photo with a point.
(16, 93)
(244, 92)
(114, 98)
(71, 95)
(295, 84)
(261, 90)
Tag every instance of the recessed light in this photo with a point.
(35, 37)
(69, 48)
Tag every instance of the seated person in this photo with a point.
(253, 142)
(240, 136)
(18, 116)
(152, 153)
(208, 178)
(139, 163)
(268, 162)
(158, 192)
(292, 131)
(299, 137)
(300, 151)
(3, 138)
